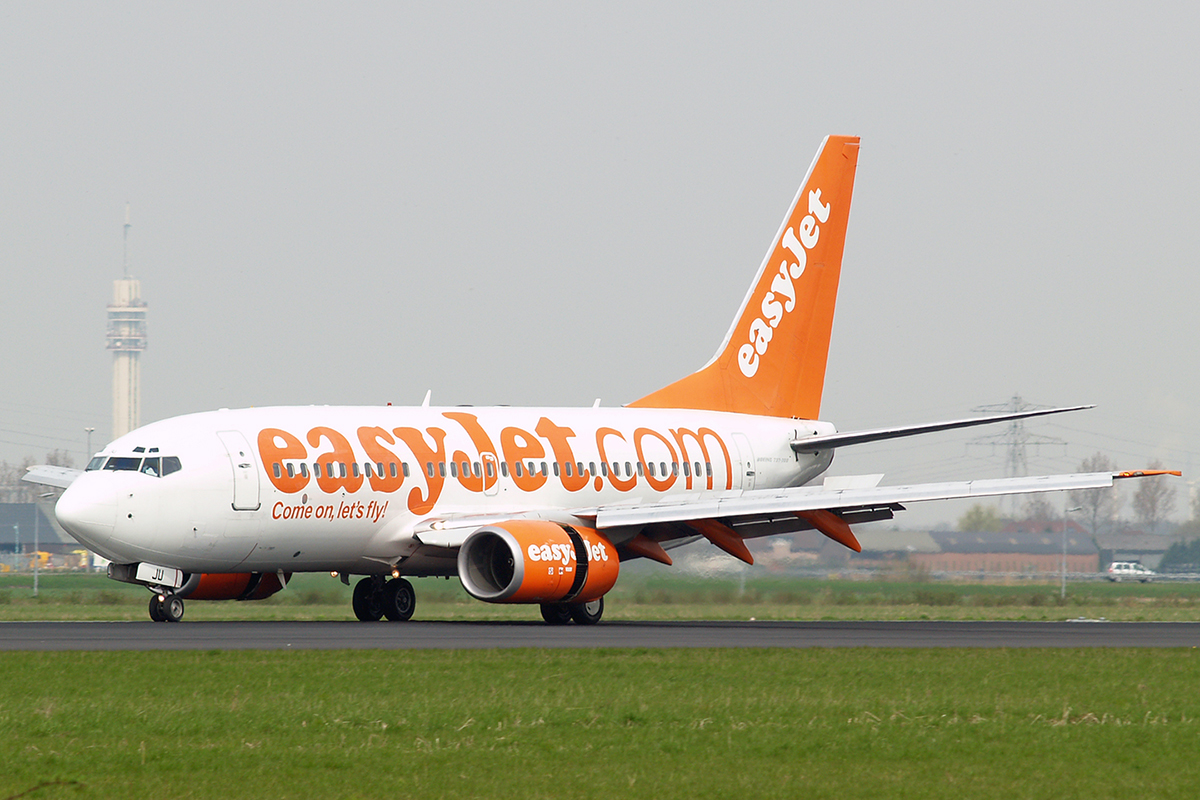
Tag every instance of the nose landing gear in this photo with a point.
(166, 607)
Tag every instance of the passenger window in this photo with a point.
(304, 470)
(291, 470)
(628, 470)
(392, 469)
(532, 469)
(342, 469)
(556, 469)
(708, 469)
(650, 469)
(675, 468)
(504, 468)
(475, 469)
(696, 468)
(687, 470)
(545, 471)
(641, 469)
(150, 467)
(591, 467)
(317, 470)
(354, 470)
(441, 469)
(466, 469)
(517, 471)
(662, 465)
(370, 470)
(403, 468)
(491, 470)
(604, 468)
(276, 470)
(579, 468)
(170, 464)
(567, 467)
(429, 468)
(453, 469)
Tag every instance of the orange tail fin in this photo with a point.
(772, 361)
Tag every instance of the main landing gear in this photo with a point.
(166, 607)
(375, 598)
(588, 613)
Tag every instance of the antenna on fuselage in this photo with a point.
(425, 402)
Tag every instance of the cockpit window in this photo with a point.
(154, 467)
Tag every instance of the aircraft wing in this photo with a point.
(58, 477)
(811, 444)
(726, 521)
(643, 528)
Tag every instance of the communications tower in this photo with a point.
(126, 340)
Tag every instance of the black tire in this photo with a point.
(172, 608)
(399, 600)
(556, 613)
(587, 613)
(156, 609)
(367, 601)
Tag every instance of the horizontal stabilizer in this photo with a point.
(58, 477)
(812, 444)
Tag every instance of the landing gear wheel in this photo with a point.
(556, 613)
(156, 609)
(368, 600)
(398, 600)
(588, 613)
(172, 608)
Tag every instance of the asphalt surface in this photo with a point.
(486, 635)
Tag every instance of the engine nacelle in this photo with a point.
(231, 585)
(534, 561)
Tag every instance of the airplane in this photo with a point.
(523, 505)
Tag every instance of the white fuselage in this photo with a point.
(345, 488)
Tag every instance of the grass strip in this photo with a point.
(657, 724)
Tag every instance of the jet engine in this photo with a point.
(231, 585)
(535, 561)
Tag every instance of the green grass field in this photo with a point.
(551, 724)
(644, 596)
(630, 723)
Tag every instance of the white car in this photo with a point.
(1129, 570)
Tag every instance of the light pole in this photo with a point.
(37, 556)
(1064, 549)
(88, 455)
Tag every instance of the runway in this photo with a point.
(136, 636)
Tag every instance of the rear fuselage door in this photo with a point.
(746, 472)
(245, 473)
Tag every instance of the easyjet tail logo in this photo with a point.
(781, 298)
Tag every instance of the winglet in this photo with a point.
(772, 362)
(1147, 473)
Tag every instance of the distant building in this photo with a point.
(20, 523)
(942, 551)
(1146, 549)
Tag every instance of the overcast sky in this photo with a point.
(541, 204)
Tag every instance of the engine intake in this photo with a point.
(534, 561)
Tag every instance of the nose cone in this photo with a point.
(88, 510)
